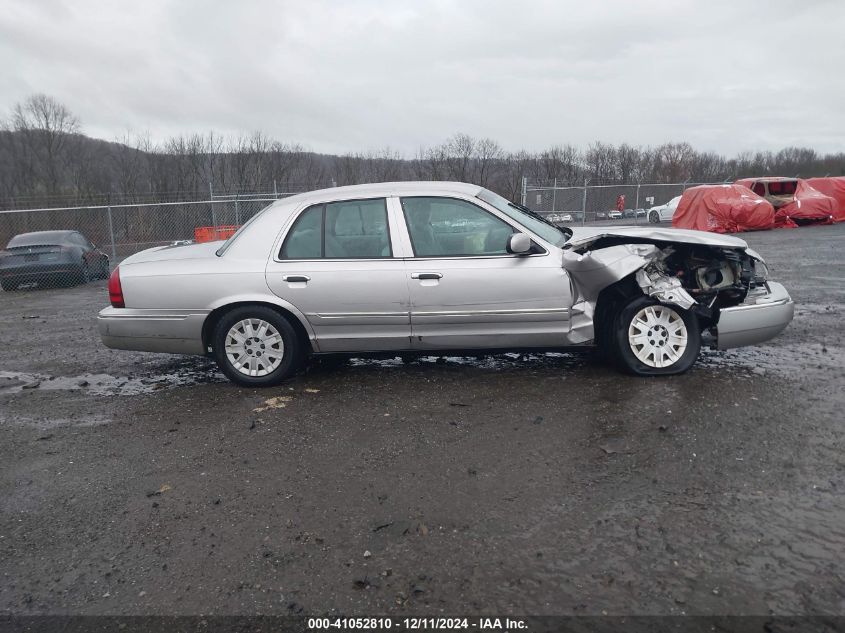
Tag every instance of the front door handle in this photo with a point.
(296, 278)
(426, 275)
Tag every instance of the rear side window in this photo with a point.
(349, 229)
(759, 188)
(783, 188)
(305, 239)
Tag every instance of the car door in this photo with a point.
(467, 291)
(336, 264)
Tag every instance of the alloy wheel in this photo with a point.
(254, 347)
(658, 336)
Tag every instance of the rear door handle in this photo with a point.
(296, 278)
(426, 275)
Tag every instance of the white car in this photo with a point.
(663, 212)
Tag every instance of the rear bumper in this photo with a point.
(752, 323)
(167, 331)
(38, 270)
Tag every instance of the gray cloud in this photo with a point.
(336, 77)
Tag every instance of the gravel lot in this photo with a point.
(144, 484)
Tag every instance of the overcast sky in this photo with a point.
(359, 75)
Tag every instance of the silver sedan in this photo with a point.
(425, 267)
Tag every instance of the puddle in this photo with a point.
(498, 361)
(105, 384)
(784, 359)
(54, 423)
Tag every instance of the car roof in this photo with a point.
(378, 189)
(38, 237)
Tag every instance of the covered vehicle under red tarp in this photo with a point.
(723, 209)
(811, 206)
(835, 188)
(795, 201)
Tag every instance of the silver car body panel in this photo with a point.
(546, 299)
(760, 318)
(584, 236)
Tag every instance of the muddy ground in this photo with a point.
(144, 484)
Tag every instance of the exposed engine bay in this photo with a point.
(701, 278)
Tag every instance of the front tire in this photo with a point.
(655, 339)
(255, 346)
(654, 217)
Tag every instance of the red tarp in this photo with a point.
(835, 188)
(723, 209)
(808, 206)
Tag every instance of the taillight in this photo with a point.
(115, 291)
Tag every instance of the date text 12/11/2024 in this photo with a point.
(412, 624)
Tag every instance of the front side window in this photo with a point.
(350, 229)
(528, 219)
(448, 227)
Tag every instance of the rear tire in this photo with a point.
(255, 346)
(84, 274)
(655, 339)
(654, 217)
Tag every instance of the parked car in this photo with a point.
(777, 190)
(567, 217)
(365, 270)
(615, 215)
(663, 212)
(601, 215)
(640, 213)
(51, 257)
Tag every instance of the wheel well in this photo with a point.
(215, 315)
(607, 306)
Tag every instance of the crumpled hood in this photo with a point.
(582, 236)
(181, 251)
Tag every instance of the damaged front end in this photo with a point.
(705, 279)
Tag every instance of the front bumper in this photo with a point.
(168, 331)
(759, 319)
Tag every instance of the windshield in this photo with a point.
(534, 222)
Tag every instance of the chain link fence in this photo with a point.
(599, 203)
(65, 245)
(69, 245)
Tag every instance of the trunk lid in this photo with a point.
(174, 252)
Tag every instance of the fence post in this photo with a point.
(637, 206)
(554, 194)
(275, 190)
(237, 210)
(584, 204)
(111, 237)
(524, 191)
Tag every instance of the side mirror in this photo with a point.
(519, 244)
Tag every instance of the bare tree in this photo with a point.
(45, 126)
